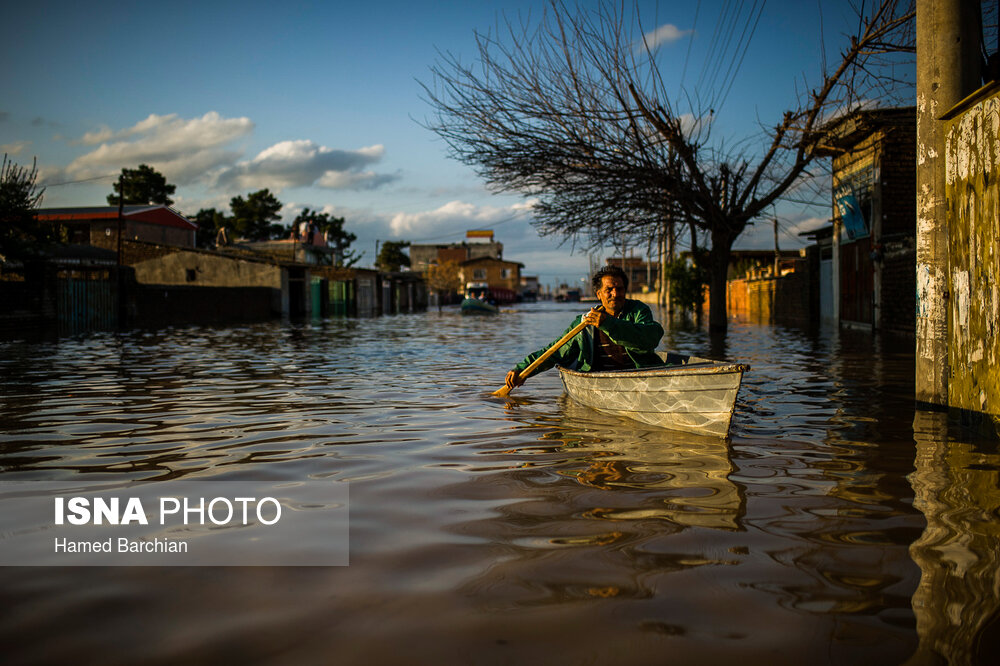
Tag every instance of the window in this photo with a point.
(191, 274)
(479, 274)
(505, 273)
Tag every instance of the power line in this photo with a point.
(82, 180)
(450, 235)
(746, 46)
(726, 41)
(711, 45)
(687, 56)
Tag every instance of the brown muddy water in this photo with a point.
(834, 527)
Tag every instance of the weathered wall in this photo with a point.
(878, 283)
(972, 156)
(785, 300)
(899, 289)
(207, 270)
(948, 70)
(898, 195)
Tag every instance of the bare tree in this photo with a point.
(444, 278)
(572, 109)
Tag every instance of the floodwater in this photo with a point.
(834, 527)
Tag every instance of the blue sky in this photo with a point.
(320, 102)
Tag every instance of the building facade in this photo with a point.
(99, 225)
(502, 277)
(477, 244)
(874, 218)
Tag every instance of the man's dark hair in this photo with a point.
(610, 271)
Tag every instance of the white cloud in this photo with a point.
(667, 33)
(760, 235)
(448, 224)
(105, 133)
(191, 205)
(15, 148)
(362, 180)
(199, 150)
(456, 217)
(302, 163)
(182, 149)
(807, 224)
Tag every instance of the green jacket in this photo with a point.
(634, 329)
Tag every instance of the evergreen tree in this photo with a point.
(391, 257)
(209, 222)
(338, 238)
(21, 234)
(255, 218)
(144, 185)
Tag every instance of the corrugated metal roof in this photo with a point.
(96, 212)
(152, 214)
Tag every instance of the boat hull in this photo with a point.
(476, 306)
(696, 395)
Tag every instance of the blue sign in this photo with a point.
(854, 220)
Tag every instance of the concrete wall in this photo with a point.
(205, 269)
(189, 268)
(792, 299)
(972, 157)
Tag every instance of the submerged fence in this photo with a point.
(86, 300)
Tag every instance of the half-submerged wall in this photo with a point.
(973, 194)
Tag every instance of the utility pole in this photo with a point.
(777, 252)
(948, 70)
(121, 232)
(649, 260)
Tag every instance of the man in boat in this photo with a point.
(621, 333)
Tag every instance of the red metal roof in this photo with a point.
(159, 215)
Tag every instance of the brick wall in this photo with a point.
(899, 285)
(789, 299)
(898, 240)
(899, 181)
(891, 149)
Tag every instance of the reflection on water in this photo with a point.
(526, 530)
(685, 476)
(957, 603)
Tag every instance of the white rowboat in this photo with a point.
(691, 394)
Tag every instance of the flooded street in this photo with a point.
(830, 530)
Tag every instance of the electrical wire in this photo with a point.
(82, 180)
(687, 56)
(746, 45)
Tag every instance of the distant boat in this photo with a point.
(478, 300)
(692, 394)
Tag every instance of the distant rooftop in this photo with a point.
(151, 213)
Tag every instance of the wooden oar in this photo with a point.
(505, 390)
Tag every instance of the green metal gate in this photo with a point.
(86, 301)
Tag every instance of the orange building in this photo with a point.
(503, 277)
